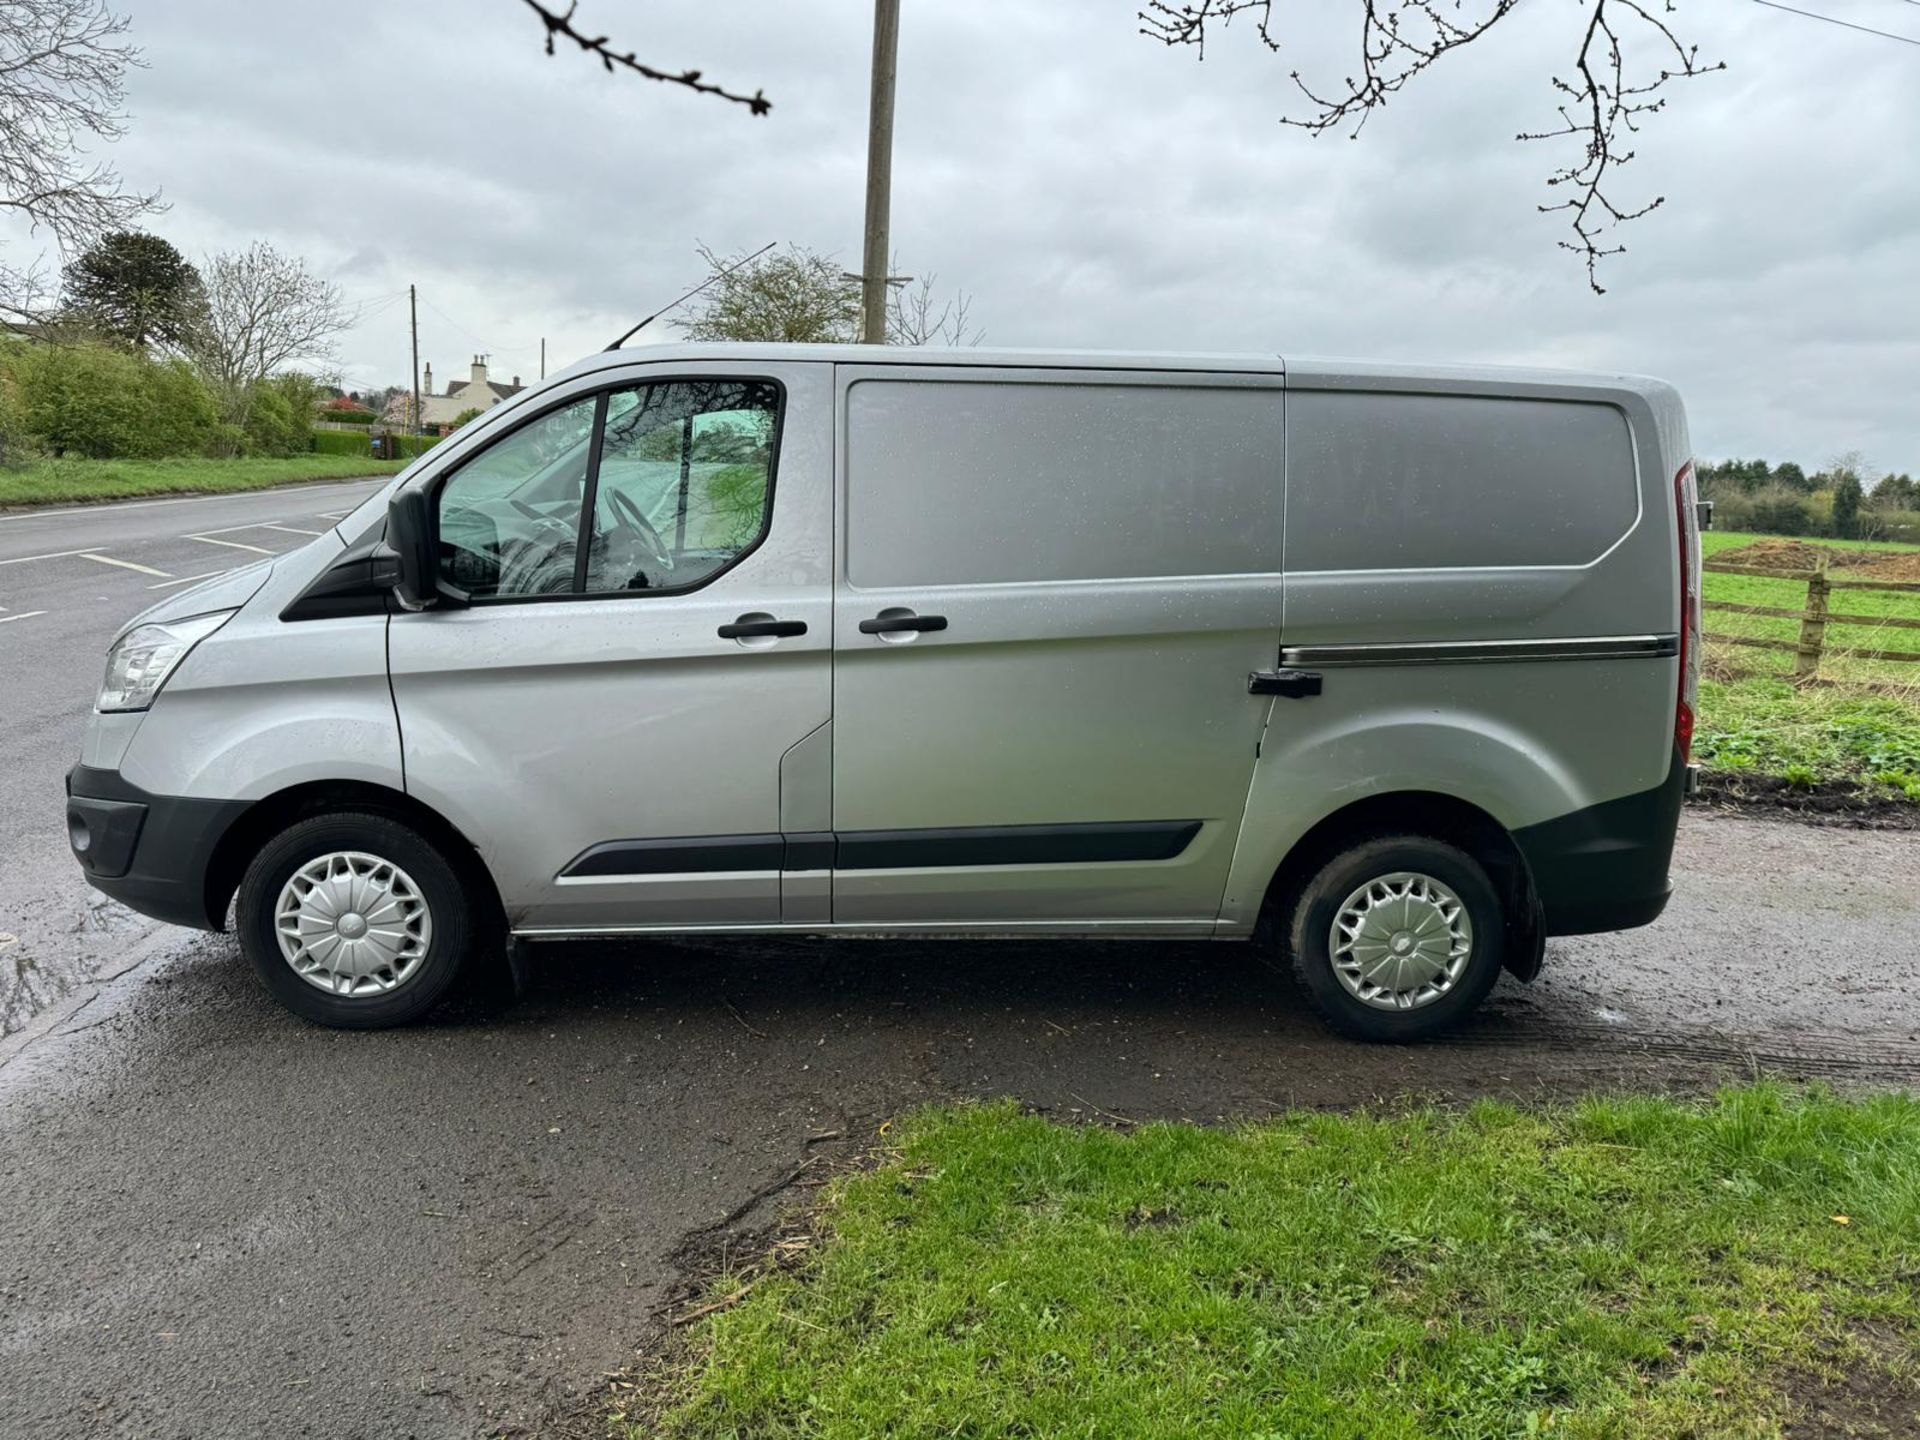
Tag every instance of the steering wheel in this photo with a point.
(630, 518)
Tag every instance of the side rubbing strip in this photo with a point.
(701, 854)
(890, 849)
(1485, 652)
(1015, 845)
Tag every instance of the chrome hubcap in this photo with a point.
(352, 924)
(1401, 941)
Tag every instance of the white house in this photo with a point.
(476, 392)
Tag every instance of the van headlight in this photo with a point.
(142, 659)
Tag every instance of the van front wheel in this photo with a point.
(1398, 938)
(354, 920)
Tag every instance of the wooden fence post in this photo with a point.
(1813, 625)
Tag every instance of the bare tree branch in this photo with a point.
(562, 25)
(1601, 107)
(913, 320)
(63, 65)
(264, 310)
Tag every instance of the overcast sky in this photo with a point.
(1087, 186)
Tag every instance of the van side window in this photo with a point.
(957, 482)
(679, 483)
(1382, 481)
(510, 516)
(686, 477)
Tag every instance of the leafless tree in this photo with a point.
(801, 296)
(915, 316)
(560, 26)
(264, 310)
(63, 65)
(1603, 99)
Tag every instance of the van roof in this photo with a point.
(1365, 374)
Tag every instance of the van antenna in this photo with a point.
(717, 275)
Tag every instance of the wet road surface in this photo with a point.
(70, 577)
(215, 1220)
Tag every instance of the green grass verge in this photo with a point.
(1626, 1268)
(1808, 735)
(50, 481)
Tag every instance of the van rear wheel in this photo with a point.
(355, 920)
(1397, 938)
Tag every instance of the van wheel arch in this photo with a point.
(1442, 817)
(269, 816)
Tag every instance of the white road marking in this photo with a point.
(291, 529)
(23, 615)
(234, 544)
(51, 555)
(35, 513)
(127, 565)
(188, 579)
(333, 514)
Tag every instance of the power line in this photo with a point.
(1848, 24)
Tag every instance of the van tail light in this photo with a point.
(1686, 514)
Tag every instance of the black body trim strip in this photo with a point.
(1483, 652)
(694, 855)
(890, 849)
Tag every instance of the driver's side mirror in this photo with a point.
(410, 536)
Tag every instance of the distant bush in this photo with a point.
(277, 415)
(100, 402)
(351, 442)
(342, 442)
(347, 415)
(1779, 511)
(17, 448)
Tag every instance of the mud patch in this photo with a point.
(716, 1266)
(1824, 802)
(1891, 565)
(1873, 1397)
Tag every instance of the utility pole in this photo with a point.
(413, 316)
(873, 270)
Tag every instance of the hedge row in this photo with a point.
(350, 442)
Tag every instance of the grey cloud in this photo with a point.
(1089, 188)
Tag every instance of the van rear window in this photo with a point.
(1417, 482)
(954, 482)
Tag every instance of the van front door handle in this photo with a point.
(1294, 684)
(889, 624)
(743, 628)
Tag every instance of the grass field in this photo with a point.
(1860, 723)
(65, 481)
(1628, 1268)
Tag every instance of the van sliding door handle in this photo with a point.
(743, 628)
(1294, 684)
(888, 624)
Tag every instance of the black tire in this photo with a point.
(455, 910)
(1311, 952)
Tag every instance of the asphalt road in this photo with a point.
(217, 1221)
(69, 578)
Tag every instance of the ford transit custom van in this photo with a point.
(1390, 667)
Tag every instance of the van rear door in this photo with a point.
(1051, 587)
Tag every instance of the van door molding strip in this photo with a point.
(1088, 844)
(1485, 652)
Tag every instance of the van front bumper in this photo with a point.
(150, 852)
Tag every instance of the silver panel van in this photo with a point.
(1390, 667)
